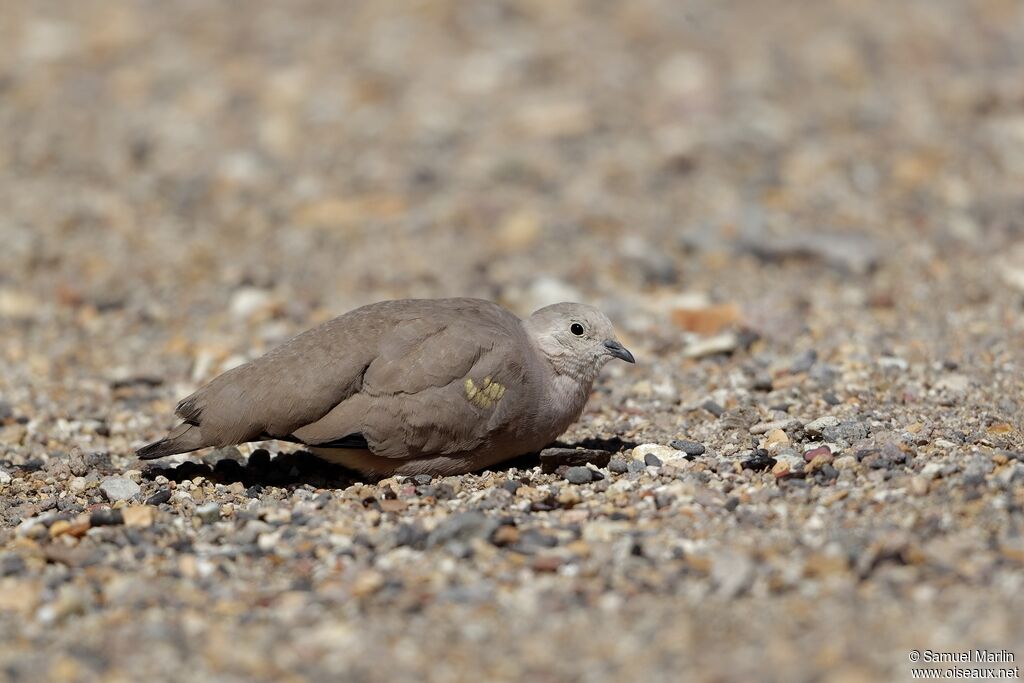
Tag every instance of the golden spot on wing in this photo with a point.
(485, 396)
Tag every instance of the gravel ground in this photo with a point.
(803, 218)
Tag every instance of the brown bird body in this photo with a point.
(435, 386)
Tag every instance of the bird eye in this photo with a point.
(576, 329)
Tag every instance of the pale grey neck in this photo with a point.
(566, 385)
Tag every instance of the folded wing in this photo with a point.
(436, 387)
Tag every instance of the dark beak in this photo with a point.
(619, 351)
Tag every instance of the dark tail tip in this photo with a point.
(157, 449)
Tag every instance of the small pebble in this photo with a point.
(652, 460)
(713, 408)
(569, 496)
(777, 438)
(208, 512)
(765, 427)
(105, 517)
(758, 461)
(138, 516)
(505, 535)
(848, 432)
(662, 453)
(119, 488)
(579, 475)
(817, 463)
(845, 462)
(159, 498)
(691, 448)
(816, 427)
(787, 464)
(827, 470)
(821, 451)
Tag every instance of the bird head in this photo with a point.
(577, 339)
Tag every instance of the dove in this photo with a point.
(413, 386)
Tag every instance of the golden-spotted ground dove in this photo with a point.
(435, 386)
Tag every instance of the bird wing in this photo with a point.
(439, 385)
(295, 384)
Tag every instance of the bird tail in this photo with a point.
(182, 439)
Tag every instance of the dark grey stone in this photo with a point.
(635, 466)
(713, 408)
(579, 475)
(618, 465)
(846, 432)
(105, 517)
(691, 448)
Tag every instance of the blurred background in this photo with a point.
(738, 183)
(174, 170)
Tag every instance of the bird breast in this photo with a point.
(566, 398)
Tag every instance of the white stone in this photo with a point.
(247, 301)
(119, 488)
(727, 342)
(816, 427)
(663, 453)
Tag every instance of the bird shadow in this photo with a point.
(612, 444)
(297, 468)
(300, 467)
(530, 460)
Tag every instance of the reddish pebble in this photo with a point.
(815, 452)
(547, 563)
